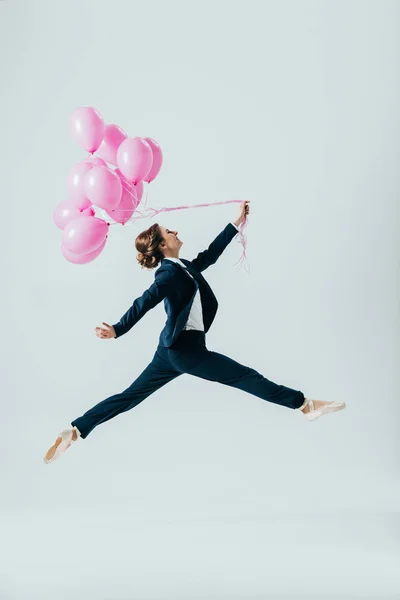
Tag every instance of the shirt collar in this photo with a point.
(173, 258)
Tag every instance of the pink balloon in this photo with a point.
(103, 187)
(126, 207)
(113, 138)
(76, 192)
(87, 127)
(157, 160)
(84, 234)
(137, 188)
(80, 259)
(121, 176)
(95, 161)
(66, 211)
(134, 159)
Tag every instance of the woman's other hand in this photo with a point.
(107, 332)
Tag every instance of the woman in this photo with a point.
(191, 307)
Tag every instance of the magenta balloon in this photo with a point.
(66, 211)
(134, 159)
(81, 259)
(76, 192)
(87, 127)
(88, 212)
(103, 187)
(95, 161)
(84, 234)
(157, 160)
(139, 190)
(113, 138)
(126, 207)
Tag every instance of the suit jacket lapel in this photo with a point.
(179, 266)
(197, 275)
(191, 269)
(208, 299)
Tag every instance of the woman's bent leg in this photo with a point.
(150, 380)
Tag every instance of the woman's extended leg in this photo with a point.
(222, 369)
(154, 376)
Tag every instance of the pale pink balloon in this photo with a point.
(84, 234)
(81, 259)
(88, 212)
(113, 138)
(157, 160)
(121, 176)
(126, 207)
(103, 187)
(136, 189)
(66, 211)
(87, 127)
(139, 190)
(76, 191)
(95, 161)
(134, 159)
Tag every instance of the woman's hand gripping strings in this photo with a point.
(243, 212)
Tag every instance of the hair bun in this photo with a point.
(150, 255)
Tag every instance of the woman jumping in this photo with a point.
(191, 306)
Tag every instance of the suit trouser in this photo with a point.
(188, 354)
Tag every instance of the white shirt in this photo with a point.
(195, 319)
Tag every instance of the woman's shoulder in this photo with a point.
(165, 269)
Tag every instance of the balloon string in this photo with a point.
(142, 211)
(169, 208)
(147, 193)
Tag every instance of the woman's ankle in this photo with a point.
(75, 433)
(304, 407)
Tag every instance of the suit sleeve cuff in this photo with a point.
(236, 227)
(118, 330)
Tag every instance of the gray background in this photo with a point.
(204, 491)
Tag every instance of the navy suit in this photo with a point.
(178, 290)
(184, 351)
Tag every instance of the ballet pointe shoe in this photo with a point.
(62, 443)
(326, 408)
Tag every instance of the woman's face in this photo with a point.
(171, 240)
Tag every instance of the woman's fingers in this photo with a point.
(108, 327)
(103, 333)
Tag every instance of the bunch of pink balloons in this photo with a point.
(93, 183)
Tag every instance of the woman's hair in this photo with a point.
(147, 244)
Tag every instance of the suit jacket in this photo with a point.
(177, 290)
